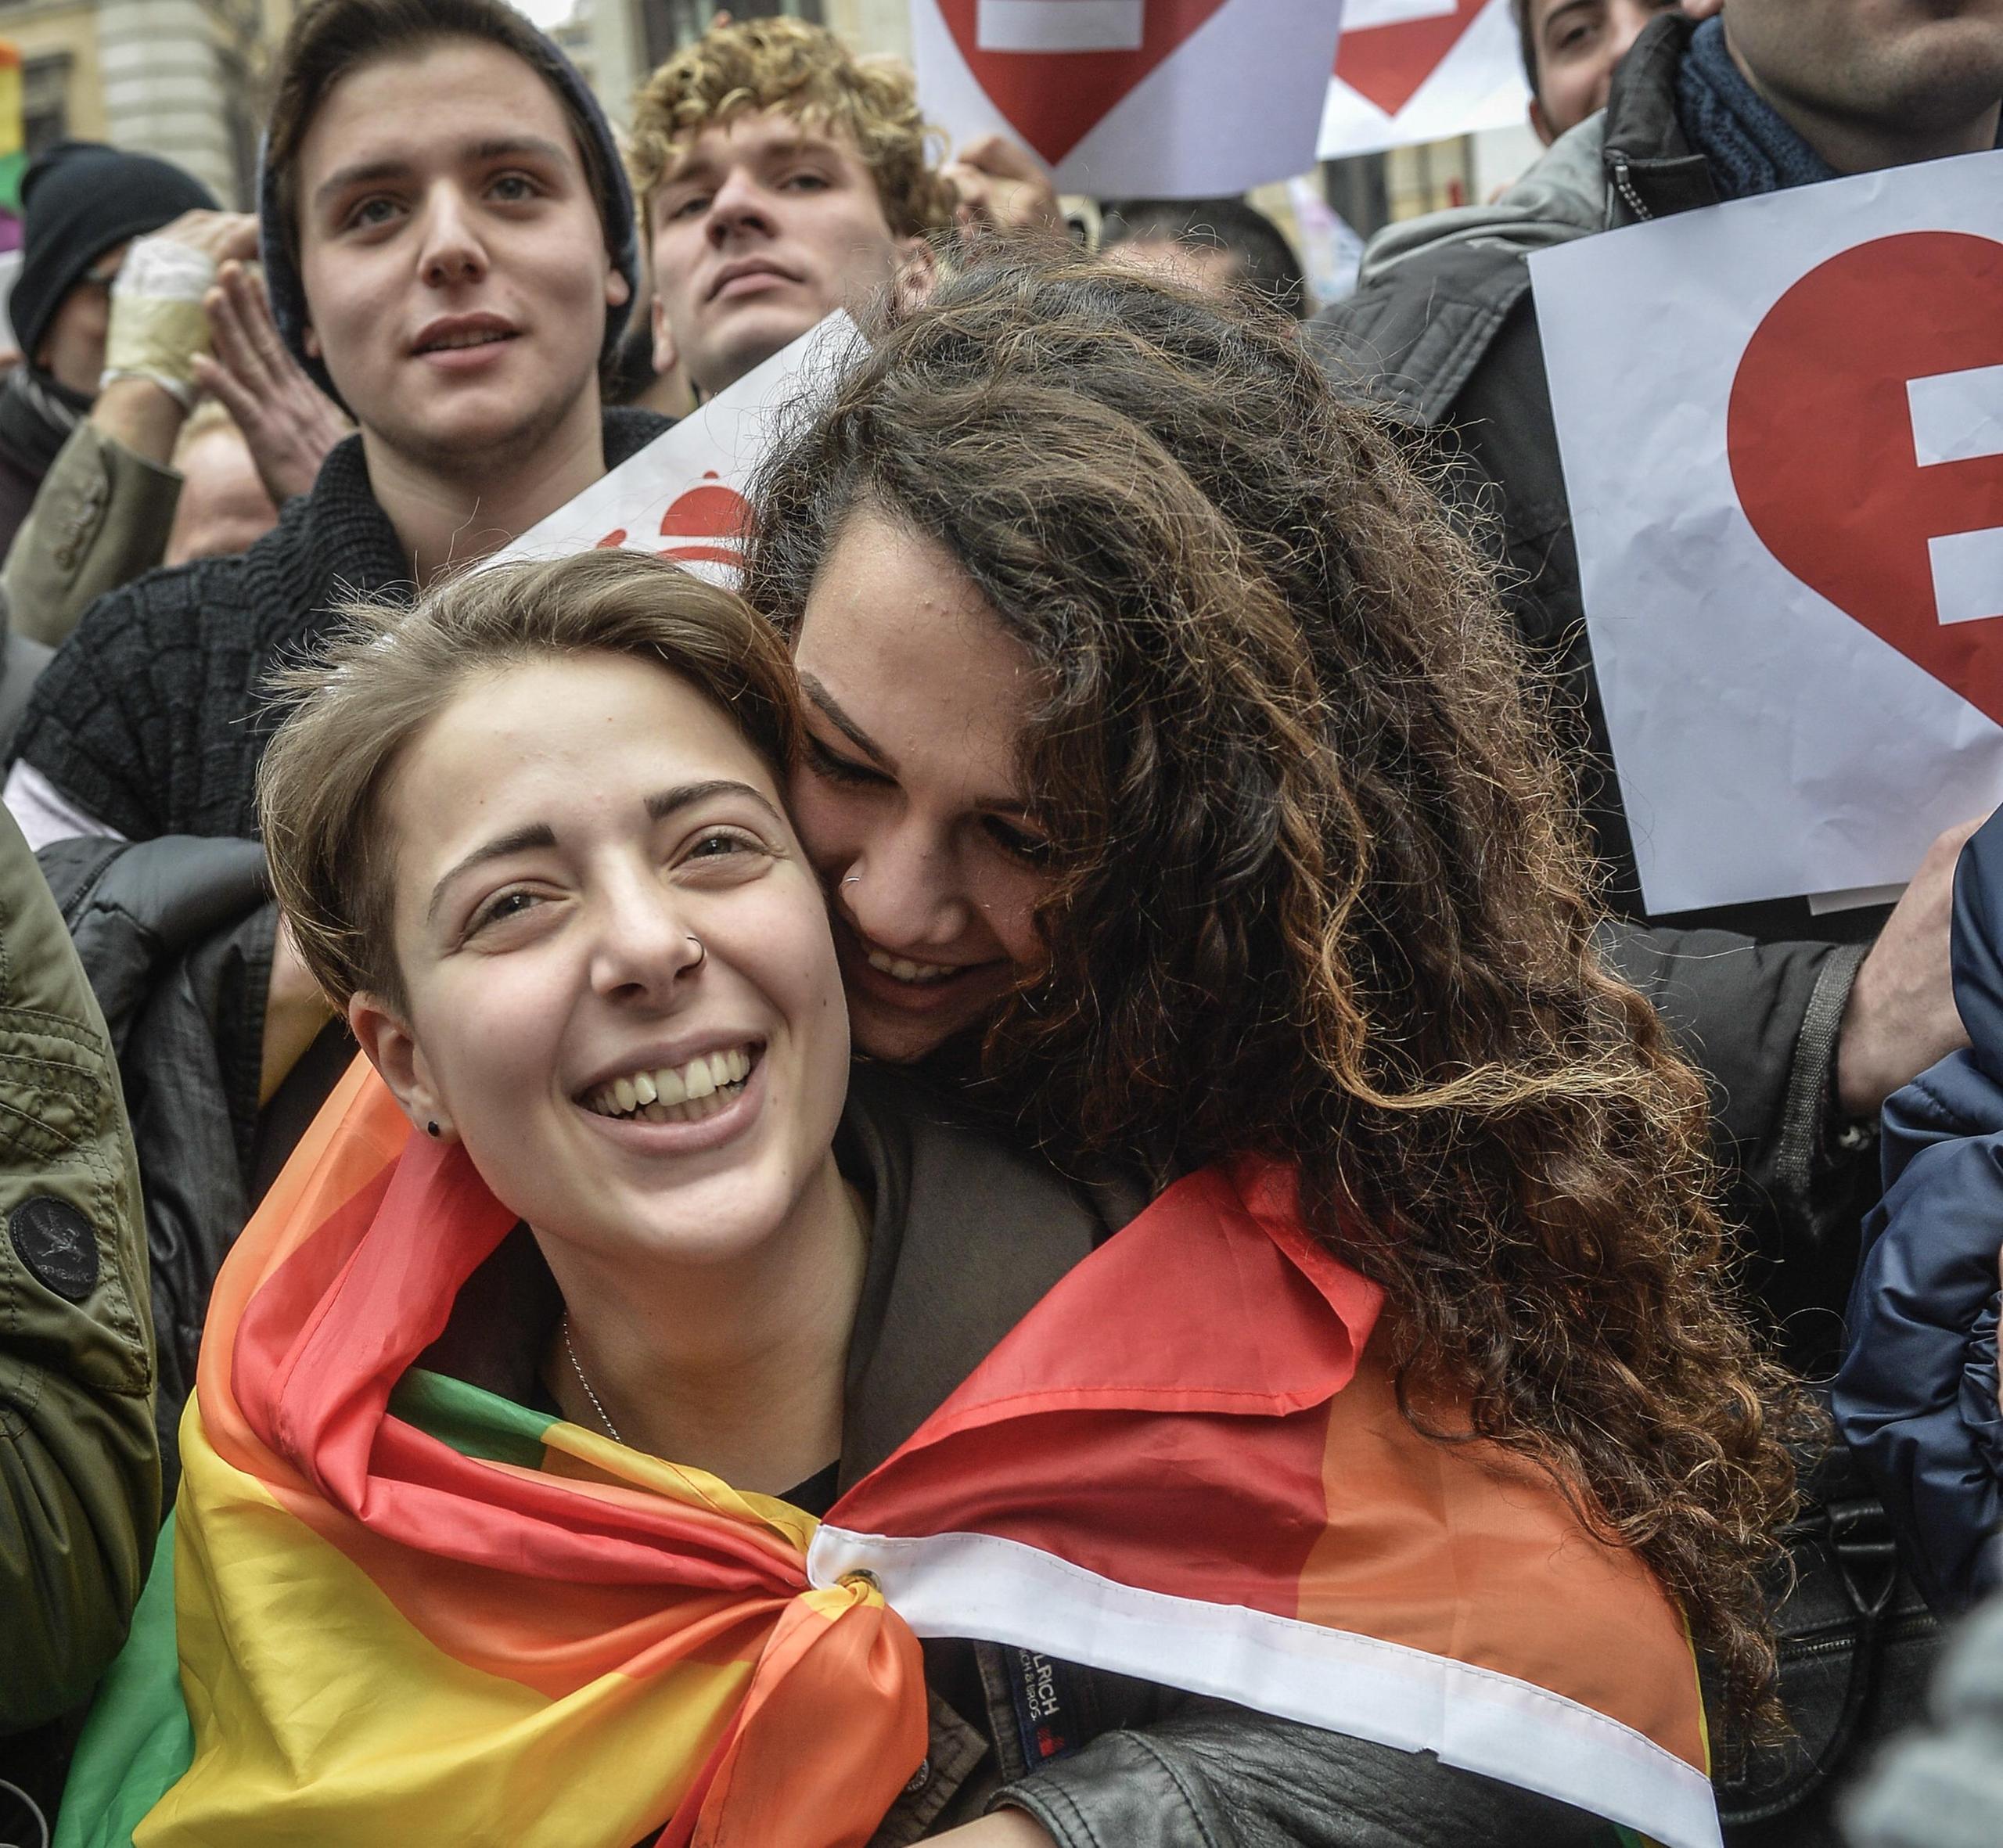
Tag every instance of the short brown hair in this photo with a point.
(807, 71)
(390, 670)
(329, 39)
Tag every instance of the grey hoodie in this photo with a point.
(1562, 196)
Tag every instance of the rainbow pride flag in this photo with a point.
(13, 147)
(404, 1610)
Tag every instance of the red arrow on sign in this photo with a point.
(1386, 64)
(1054, 99)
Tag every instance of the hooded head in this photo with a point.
(332, 39)
(79, 201)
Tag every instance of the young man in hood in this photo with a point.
(449, 242)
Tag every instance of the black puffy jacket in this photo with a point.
(176, 936)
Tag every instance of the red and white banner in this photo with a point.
(683, 495)
(1182, 99)
(1782, 423)
(1413, 71)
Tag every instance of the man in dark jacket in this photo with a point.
(448, 239)
(1803, 1037)
(81, 204)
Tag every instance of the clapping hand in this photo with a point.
(288, 421)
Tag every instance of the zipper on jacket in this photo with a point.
(1624, 186)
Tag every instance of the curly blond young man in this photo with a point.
(781, 178)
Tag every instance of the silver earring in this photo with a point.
(431, 1129)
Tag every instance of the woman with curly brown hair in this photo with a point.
(1169, 768)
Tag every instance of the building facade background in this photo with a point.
(188, 80)
(183, 79)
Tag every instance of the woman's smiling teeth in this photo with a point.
(901, 968)
(678, 1094)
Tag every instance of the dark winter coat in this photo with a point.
(176, 936)
(153, 715)
(1444, 329)
(1916, 1396)
(19, 482)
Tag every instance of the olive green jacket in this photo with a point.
(102, 515)
(79, 1461)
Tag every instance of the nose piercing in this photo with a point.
(852, 879)
(702, 954)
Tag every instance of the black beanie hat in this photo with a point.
(615, 211)
(78, 200)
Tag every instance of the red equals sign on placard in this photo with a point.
(1957, 417)
(1060, 25)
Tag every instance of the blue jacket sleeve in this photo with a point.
(1916, 1396)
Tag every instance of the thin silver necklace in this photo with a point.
(598, 1404)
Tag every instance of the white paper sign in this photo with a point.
(1177, 98)
(1413, 71)
(1781, 426)
(683, 495)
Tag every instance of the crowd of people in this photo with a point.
(541, 1095)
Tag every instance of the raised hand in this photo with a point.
(288, 421)
(1003, 188)
(1901, 1016)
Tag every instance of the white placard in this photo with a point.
(1176, 98)
(1776, 421)
(1414, 70)
(682, 495)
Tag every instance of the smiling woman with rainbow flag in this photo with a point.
(530, 833)
(617, 1425)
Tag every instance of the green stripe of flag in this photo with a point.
(137, 1744)
(474, 1422)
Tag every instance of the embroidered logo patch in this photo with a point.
(56, 1243)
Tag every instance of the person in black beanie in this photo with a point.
(81, 204)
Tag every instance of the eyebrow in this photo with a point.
(536, 835)
(1567, 7)
(831, 710)
(519, 840)
(664, 803)
(394, 167)
(830, 707)
(692, 165)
